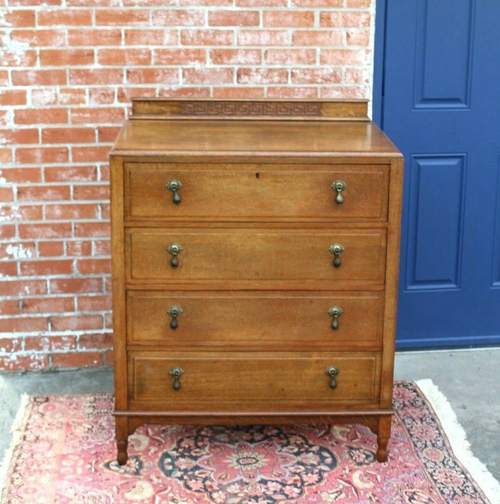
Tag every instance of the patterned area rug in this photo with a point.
(63, 452)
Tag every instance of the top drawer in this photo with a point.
(236, 192)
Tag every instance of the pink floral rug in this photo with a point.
(64, 453)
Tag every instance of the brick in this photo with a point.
(76, 359)
(70, 174)
(315, 75)
(40, 116)
(34, 155)
(96, 76)
(17, 58)
(19, 136)
(44, 231)
(70, 212)
(290, 56)
(178, 17)
(289, 18)
(50, 343)
(318, 38)
(102, 247)
(179, 56)
(207, 37)
(94, 37)
(97, 115)
(38, 77)
(93, 266)
(39, 268)
(50, 248)
(124, 56)
(68, 135)
(39, 37)
(64, 17)
(23, 287)
(17, 18)
(43, 193)
(264, 38)
(358, 38)
(12, 97)
(92, 192)
(235, 56)
(9, 345)
(94, 303)
(23, 324)
(108, 358)
(47, 305)
(102, 96)
(233, 18)
(76, 323)
(212, 76)
(8, 307)
(95, 341)
(92, 229)
(261, 3)
(151, 36)
(152, 76)
(79, 248)
(8, 269)
(66, 57)
(6, 194)
(238, 92)
(90, 154)
(342, 57)
(121, 17)
(259, 76)
(32, 362)
(318, 3)
(75, 285)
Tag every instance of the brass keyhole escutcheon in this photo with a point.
(332, 373)
(176, 374)
(174, 186)
(339, 186)
(174, 311)
(174, 249)
(337, 250)
(335, 313)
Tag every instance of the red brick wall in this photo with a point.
(67, 71)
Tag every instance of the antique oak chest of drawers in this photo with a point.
(255, 261)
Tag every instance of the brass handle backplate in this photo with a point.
(174, 249)
(332, 373)
(174, 186)
(335, 313)
(337, 250)
(176, 374)
(174, 311)
(339, 186)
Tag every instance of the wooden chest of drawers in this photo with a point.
(255, 261)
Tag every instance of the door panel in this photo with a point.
(441, 107)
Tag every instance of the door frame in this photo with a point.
(379, 62)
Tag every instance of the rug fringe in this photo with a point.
(458, 440)
(17, 430)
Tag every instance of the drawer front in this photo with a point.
(253, 191)
(252, 382)
(255, 320)
(258, 258)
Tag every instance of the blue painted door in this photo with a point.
(441, 106)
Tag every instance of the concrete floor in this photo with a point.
(468, 378)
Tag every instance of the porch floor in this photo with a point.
(468, 378)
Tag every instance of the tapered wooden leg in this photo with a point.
(122, 439)
(383, 436)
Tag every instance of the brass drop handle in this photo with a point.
(174, 311)
(337, 250)
(332, 373)
(339, 186)
(174, 249)
(335, 313)
(174, 186)
(176, 374)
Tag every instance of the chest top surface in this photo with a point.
(250, 128)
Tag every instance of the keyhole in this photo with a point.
(257, 175)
